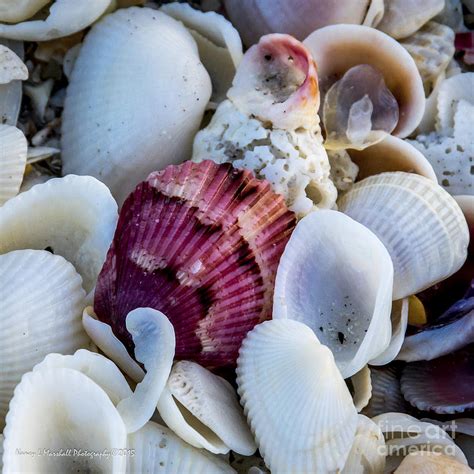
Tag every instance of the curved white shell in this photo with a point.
(362, 388)
(65, 18)
(13, 150)
(75, 216)
(403, 17)
(338, 48)
(219, 44)
(295, 399)
(203, 409)
(341, 288)
(391, 154)
(427, 236)
(426, 462)
(11, 66)
(135, 99)
(14, 11)
(158, 450)
(42, 301)
(60, 409)
(367, 455)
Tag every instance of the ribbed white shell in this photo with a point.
(13, 150)
(41, 306)
(135, 99)
(296, 401)
(213, 418)
(421, 225)
(75, 216)
(55, 409)
(158, 450)
(336, 277)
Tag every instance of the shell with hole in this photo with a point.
(269, 124)
(299, 18)
(286, 379)
(13, 152)
(135, 99)
(203, 409)
(42, 303)
(74, 216)
(339, 48)
(65, 411)
(427, 236)
(206, 255)
(341, 288)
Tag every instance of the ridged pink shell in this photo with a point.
(200, 242)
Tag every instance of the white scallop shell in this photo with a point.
(11, 66)
(367, 454)
(75, 216)
(361, 387)
(135, 99)
(14, 11)
(60, 409)
(426, 462)
(203, 409)
(295, 399)
(158, 450)
(338, 48)
(427, 236)
(65, 18)
(219, 44)
(42, 302)
(13, 150)
(403, 17)
(341, 288)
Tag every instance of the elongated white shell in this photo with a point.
(421, 225)
(295, 399)
(13, 149)
(74, 216)
(340, 287)
(60, 409)
(211, 416)
(135, 100)
(158, 450)
(42, 302)
(65, 18)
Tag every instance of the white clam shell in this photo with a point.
(158, 450)
(42, 302)
(60, 409)
(338, 48)
(367, 455)
(295, 399)
(14, 11)
(403, 17)
(65, 18)
(341, 288)
(427, 236)
(361, 387)
(219, 44)
(13, 150)
(425, 462)
(135, 99)
(11, 66)
(75, 216)
(203, 409)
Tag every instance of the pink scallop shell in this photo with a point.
(200, 242)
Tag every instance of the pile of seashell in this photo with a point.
(217, 258)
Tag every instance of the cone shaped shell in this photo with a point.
(310, 429)
(200, 242)
(135, 99)
(427, 236)
(42, 302)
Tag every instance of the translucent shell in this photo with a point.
(201, 242)
(286, 380)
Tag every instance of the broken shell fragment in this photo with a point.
(342, 291)
(344, 171)
(42, 302)
(120, 134)
(13, 150)
(11, 93)
(205, 254)
(203, 410)
(360, 385)
(338, 48)
(427, 237)
(426, 462)
(11, 66)
(358, 110)
(281, 368)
